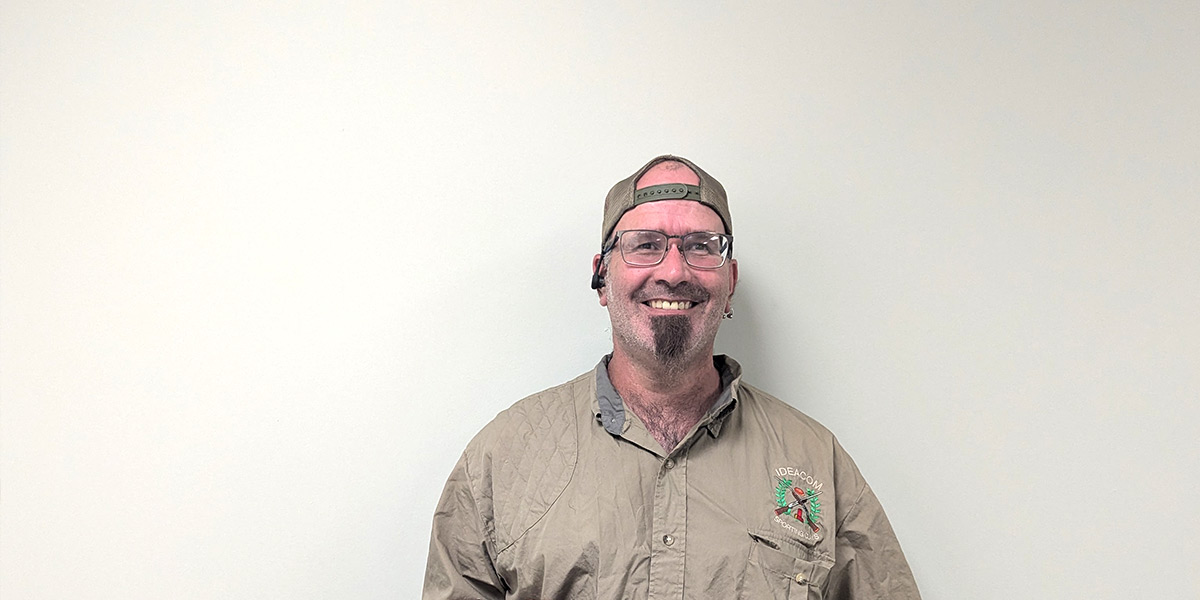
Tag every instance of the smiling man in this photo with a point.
(660, 473)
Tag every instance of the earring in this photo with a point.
(728, 314)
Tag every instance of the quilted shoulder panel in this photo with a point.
(521, 462)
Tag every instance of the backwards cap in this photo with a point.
(623, 197)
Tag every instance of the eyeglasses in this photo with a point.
(646, 248)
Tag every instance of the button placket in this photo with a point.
(670, 529)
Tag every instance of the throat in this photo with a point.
(668, 424)
(669, 403)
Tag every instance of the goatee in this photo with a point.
(671, 335)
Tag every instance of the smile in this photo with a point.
(671, 305)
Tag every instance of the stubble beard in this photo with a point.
(675, 340)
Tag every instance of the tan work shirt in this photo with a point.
(567, 495)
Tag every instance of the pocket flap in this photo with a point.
(788, 559)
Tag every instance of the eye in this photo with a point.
(703, 245)
(646, 241)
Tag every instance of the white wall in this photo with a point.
(266, 269)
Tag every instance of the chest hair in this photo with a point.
(667, 424)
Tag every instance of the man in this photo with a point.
(660, 474)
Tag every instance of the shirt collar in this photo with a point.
(610, 409)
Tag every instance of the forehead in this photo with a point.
(674, 217)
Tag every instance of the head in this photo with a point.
(668, 313)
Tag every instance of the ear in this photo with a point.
(733, 278)
(598, 267)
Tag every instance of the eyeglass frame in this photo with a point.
(728, 254)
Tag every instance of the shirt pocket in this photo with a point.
(777, 569)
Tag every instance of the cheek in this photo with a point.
(718, 285)
(623, 281)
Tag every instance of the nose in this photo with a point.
(673, 268)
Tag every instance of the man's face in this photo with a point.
(644, 324)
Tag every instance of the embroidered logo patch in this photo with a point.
(797, 503)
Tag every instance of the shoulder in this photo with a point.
(776, 414)
(548, 413)
(800, 436)
(521, 461)
(760, 411)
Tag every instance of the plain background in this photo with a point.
(267, 267)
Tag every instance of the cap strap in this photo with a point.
(667, 191)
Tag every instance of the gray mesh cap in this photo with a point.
(623, 197)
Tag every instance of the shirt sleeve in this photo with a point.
(459, 565)
(870, 563)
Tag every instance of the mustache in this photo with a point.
(686, 290)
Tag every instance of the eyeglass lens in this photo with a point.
(700, 249)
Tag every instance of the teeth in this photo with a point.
(668, 305)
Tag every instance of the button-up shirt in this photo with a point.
(567, 495)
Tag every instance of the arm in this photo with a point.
(460, 565)
(870, 563)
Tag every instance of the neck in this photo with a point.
(669, 399)
(667, 380)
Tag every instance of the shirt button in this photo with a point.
(801, 578)
(668, 539)
(670, 464)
